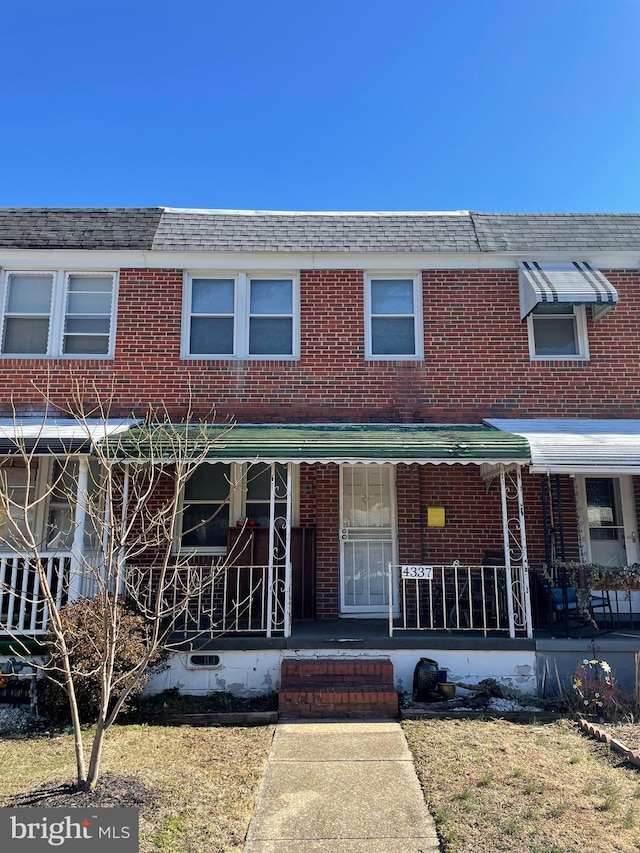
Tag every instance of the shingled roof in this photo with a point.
(316, 232)
(536, 232)
(168, 229)
(78, 228)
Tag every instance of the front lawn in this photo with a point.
(500, 787)
(195, 787)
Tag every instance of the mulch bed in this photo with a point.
(113, 791)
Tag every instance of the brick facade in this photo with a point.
(476, 365)
(476, 360)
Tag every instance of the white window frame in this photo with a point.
(241, 320)
(43, 501)
(582, 339)
(416, 278)
(237, 505)
(58, 312)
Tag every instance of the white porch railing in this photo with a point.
(22, 606)
(457, 598)
(231, 599)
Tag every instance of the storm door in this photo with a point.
(367, 538)
(609, 520)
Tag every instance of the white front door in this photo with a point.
(367, 538)
(608, 520)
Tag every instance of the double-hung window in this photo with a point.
(218, 496)
(47, 504)
(205, 510)
(18, 512)
(57, 314)
(241, 316)
(558, 330)
(393, 308)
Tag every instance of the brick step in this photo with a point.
(335, 670)
(337, 687)
(344, 700)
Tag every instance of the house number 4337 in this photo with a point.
(425, 572)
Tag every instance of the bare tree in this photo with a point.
(114, 511)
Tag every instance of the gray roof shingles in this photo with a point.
(163, 229)
(78, 228)
(572, 232)
(300, 232)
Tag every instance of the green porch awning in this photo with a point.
(323, 443)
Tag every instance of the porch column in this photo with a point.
(515, 551)
(77, 547)
(278, 588)
(287, 554)
(123, 527)
(272, 541)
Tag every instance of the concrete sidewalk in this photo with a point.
(348, 787)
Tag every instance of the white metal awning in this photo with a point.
(578, 446)
(56, 435)
(576, 283)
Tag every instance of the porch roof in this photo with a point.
(339, 443)
(580, 446)
(44, 436)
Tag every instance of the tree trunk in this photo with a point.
(96, 755)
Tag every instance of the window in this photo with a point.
(258, 494)
(558, 331)
(20, 495)
(241, 316)
(394, 319)
(203, 662)
(205, 511)
(219, 495)
(57, 314)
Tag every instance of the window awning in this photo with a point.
(574, 283)
(323, 443)
(55, 435)
(578, 446)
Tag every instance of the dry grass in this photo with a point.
(626, 733)
(500, 787)
(204, 780)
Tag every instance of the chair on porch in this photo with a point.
(565, 603)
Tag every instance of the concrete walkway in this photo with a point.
(348, 787)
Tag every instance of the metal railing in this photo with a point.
(199, 600)
(23, 609)
(213, 600)
(450, 598)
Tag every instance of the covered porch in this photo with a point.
(415, 531)
(344, 519)
(353, 510)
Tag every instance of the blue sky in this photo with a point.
(493, 105)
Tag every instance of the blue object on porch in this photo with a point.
(565, 601)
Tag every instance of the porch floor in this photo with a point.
(343, 634)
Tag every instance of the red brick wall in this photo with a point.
(476, 359)
(327, 541)
(476, 365)
(473, 521)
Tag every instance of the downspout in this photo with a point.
(563, 555)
